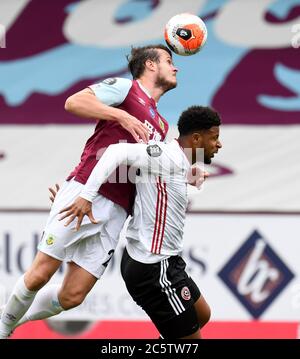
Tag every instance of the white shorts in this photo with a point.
(94, 244)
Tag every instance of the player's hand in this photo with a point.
(196, 176)
(79, 208)
(138, 130)
(53, 192)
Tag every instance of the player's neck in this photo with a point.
(154, 91)
(184, 142)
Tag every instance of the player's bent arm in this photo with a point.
(87, 105)
(115, 155)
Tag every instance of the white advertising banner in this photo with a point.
(264, 174)
(246, 266)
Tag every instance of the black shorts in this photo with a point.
(165, 292)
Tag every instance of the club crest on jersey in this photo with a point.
(152, 112)
(50, 240)
(161, 124)
(185, 293)
(110, 81)
(154, 150)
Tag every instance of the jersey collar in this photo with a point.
(143, 88)
(182, 149)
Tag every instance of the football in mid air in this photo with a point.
(185, 34)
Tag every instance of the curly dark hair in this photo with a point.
(197, 118)
(139, 55)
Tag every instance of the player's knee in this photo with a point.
(35, 279)
(71, 298)
(40, 271)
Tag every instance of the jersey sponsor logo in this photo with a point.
(152, 112)
(154, 150)
(185, 293)
(50, 239)
(110, 81)
(154, 134)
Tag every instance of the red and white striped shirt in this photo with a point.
(156, 229)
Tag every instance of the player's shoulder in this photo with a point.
(115, 82)
(112, 86)
(174, 152)
(170, 149)
(119, 80)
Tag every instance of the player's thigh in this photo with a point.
(56, 236)
(95, 252)
(166, 294)
(77, 281)
(183, 326)
(58, 240)
(87, 262)
(203, 315)
(203, 311)
(200, 304)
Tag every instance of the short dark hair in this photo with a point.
(139, 56)
(197, 118)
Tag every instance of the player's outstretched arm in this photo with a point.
(120, 153)
(115, 155)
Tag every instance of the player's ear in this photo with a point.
(196, 138)
(149, 64)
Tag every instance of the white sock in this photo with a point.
(45, 305)
(17, 305)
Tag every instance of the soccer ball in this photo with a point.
(185, 34)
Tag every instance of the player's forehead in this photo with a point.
(214, 131)
(164, 55)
